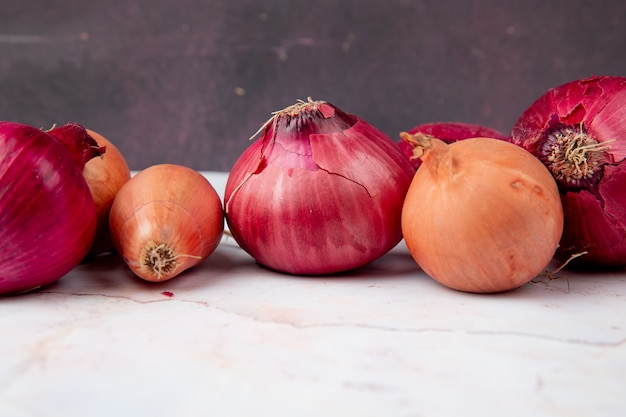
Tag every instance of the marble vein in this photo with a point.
(355, 325)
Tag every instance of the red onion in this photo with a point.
(578, 130)
(448, 132)
(47, 214)
(320, 192)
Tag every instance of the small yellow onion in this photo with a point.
(105, 176)
(166, 219)
(481, 215)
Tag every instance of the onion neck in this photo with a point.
(287, 134)
(434, 153)
(574, 157)
(78, 142)
(308, 117)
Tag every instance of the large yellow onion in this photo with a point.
(481, 215)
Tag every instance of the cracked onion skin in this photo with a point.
(482, 215)
(319, 193)
(578, 130)
(165, 220)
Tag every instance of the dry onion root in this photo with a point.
(481, 215)
(166, 219)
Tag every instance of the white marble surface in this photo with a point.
(234, 339)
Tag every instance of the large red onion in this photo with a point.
(47, 214)
(578, 130)
(320, 192)
(448, 132)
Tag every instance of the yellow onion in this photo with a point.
(105, 176)
(481, 215)
(164, 220)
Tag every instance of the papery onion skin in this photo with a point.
(319, 193)
(482, 215)
(591, 111)
(47, 214)
(105, 176)
(449, 132)
(165, 220)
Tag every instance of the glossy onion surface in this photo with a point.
(320, 192)
(47, 214)
(578, 130)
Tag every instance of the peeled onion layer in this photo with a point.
(293, 223)
(482, 215)
(47, 214)
(593, 111)
(320, 193)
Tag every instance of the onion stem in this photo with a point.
(291, 110)
(431, 151)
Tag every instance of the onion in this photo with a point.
(448, 132)
(47, 214)
(105, 176)
(578, 130)
(481, 215)
(321, 192)
(165, 220)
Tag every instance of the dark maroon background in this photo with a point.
(188, 81)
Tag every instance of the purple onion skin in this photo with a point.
(448, 132)
(47, 214)
(592, 110)
(320, 192)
